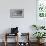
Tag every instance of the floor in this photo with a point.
(13, 44)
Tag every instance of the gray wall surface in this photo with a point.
(24, 24)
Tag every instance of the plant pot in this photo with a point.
(40, 41)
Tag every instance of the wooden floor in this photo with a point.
(13, 44)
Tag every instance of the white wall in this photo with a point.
(24, 24)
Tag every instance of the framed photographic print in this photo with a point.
(17, 13)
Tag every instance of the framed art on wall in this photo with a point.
(17, 13)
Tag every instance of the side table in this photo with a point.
(8, 34)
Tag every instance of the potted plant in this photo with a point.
(39, 35)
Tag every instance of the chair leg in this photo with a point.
(17, 39)
(5, 43)
(5, 40)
